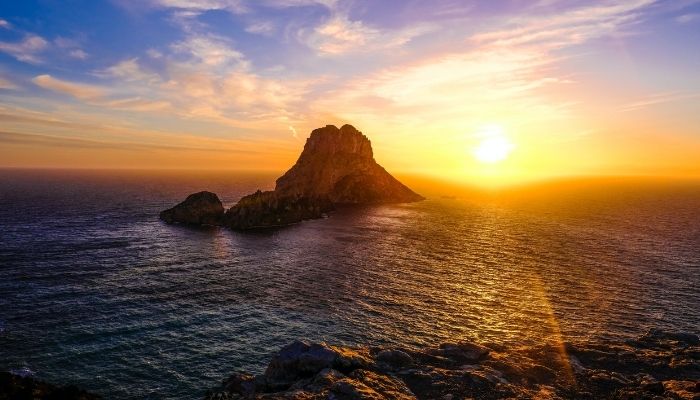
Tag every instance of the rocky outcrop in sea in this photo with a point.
(203, 208)
(659, 365)
(336, 167)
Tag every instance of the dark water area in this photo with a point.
(95, 290)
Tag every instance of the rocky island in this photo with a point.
(336, 167)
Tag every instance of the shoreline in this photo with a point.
(656, 365)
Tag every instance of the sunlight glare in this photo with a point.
(494, 145)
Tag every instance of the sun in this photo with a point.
(494, 145)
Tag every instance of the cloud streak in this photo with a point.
(687, 18)
(77, 90)
(656, 99)
(26, 50)
(339, 35)
(565, 29)
(7, 85)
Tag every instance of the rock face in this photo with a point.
(270, 209)
(203, 208)
(336, 167)
(657, 366)
(338, 164)
(14, 387)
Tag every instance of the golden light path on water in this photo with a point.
(557, 337)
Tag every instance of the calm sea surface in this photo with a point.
(95, 290)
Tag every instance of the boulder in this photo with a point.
(395, 359)
(464, 352)
(299, 360)
(203, 208)
(363, 384)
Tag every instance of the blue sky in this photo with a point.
(159, 76)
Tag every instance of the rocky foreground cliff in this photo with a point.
(658, 365)
(336, 167)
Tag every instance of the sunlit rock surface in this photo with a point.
(658, 365)
(336, 167)
(338, 164)
(203, 208)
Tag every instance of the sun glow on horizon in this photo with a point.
(491, 95)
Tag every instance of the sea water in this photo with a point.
(96, 291)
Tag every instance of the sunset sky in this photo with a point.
(474, 91)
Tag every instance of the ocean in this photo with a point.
(96, 291)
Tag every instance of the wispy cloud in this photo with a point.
(266, 28)
(72, 47)
(300, 3)
(154, 53)
(657, 98)
(453, 89)
(294, 132)
(4, 24)
(340, 35)
(92, 139)
(687, 18)
(79, 54)
(565, 29)
(205, 79)
(208, 49)
(138, 104)
(510, 73)
(26, 50)
(73, 142)
(235, 6)
(6, 84)
(103, 96)
(77, 90)
(128, 71)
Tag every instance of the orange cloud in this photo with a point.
(77, 90)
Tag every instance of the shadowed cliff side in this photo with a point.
(336, 167)
(203, 208)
